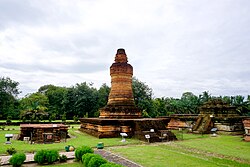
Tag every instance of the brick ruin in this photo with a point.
(121, 100)
(120, 115)
(218, 114)
(43, 133)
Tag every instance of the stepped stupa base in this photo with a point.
(118, 111)
(138, 128)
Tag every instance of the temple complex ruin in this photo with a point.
(218, 114)
(43, 133)
(120, 115)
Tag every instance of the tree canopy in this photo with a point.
(84, 100)
(8, 98)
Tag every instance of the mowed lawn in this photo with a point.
(192, 150)
(201, 151)
(78, 139)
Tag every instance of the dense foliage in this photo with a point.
(8, 98)
(96, 161)
(110, 164)
(91, 160)
(87, 157)
(84, 100)
(11, 150)
(17, 159)
(46, 156)
(79, 152)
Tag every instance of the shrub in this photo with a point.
(63, 158)
(8, 120)
(96, 161)
(86, 158)
(17, 159)
(51, 156)
(46, 156)
(79, 152)
(75, 118)
(40, 157)
(11, 150)
(111, 164)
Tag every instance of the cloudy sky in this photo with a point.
(174, 46)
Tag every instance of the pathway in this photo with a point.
(116, 158)
(4, 160)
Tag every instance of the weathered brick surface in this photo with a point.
(121, 100)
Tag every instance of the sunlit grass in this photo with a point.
(226, 145)
(190, 150)
(78, 140)
(165, 155)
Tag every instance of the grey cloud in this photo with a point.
(18, 12)
(80, 67)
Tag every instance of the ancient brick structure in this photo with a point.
(43, 133)
(246, 123)
(120, 115)
(121, 101)
(218, 114)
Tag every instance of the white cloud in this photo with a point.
(174, 46)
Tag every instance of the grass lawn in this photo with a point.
(74, 164)
(194, 150)
(231, 146)
(79, 139)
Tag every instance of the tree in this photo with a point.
(242, 105)
(103, 95)
(34, 106)
(55, 95)
(143, 97)
(81, 100)
(205, 97)
(160, 106)
(8, 98)
(189, 103)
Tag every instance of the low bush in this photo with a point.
(63, 158)
(39, 157)
(17, 159)
(46, 156)
(51, 156)
(111, 164)
(79, 152)
(86, 158)
(96, 161)
(11, 150)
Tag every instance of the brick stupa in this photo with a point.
(121, 100)
(120, 115)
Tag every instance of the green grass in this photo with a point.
(160, 156)
(74, 164)
(183, 135)
(79, 140)
(226, 145)
(192, 150)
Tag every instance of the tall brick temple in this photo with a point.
(121, 100)
(120, 115)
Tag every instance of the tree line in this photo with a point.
(52, 102)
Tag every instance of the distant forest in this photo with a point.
(52, 102)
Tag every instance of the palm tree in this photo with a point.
(34, 112)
